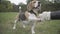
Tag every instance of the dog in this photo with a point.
(29, 16)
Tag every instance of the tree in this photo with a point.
(5, 6)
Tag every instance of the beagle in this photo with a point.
(28, 17)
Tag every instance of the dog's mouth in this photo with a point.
(37, 4)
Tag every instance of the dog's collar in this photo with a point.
(32, 12)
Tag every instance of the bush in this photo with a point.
(50, 7)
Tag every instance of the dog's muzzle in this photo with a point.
(38, 5)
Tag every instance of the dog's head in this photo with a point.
(33, 4)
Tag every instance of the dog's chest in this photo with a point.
(32, 17)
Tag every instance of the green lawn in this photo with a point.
(7, 20)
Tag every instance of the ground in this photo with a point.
(7, 21)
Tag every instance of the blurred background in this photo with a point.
(10, 8)
(13, 5)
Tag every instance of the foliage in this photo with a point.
(23, 7)
(28, 1)
(50, 7)
(7, 6)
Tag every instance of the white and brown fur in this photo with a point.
(37, 8)
(24, 18)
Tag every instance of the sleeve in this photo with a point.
(55, 15)
(50, 16)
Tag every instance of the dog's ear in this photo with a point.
(30, 6)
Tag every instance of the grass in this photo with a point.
(6, 24)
